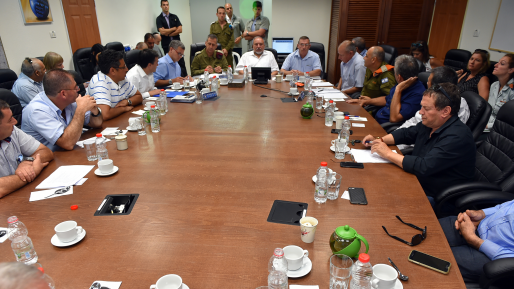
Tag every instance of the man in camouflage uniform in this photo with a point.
(225, 34)
(379, 77)
(209, 58)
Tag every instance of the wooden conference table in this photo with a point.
(207, 182)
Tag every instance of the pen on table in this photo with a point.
(369, 142)
(350, 115)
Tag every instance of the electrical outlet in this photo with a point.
(476, 33)
(52, 34)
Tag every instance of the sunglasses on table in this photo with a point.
(416, 239)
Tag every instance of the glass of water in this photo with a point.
(340, 266)
(199, 97)
(339, 148)
(186, 84)
(140, 125)
(90, 146)
(319, 102)
(333, 187)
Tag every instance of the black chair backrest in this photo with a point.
(13, 101)
(422, 67)
(7, 78)
(118, 46)
(457, 59)
(479, 113)
(319, 48)
(79, 80)
(489, 73)
(423, 77)
(195, 47)
(390, 53)
(82, 64)
(131, 58)
(40, 58)
(274, 53)
(495, 156)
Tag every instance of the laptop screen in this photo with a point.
(283, 45)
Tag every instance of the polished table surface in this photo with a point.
(207, 182)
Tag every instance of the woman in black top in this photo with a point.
(474, 79)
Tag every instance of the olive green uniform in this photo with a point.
(380, 85)
(201, 61)
(225, 38)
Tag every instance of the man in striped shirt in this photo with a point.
(113, 93)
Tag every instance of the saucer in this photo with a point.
(346, 149)
(304, 270)
(398, 284)
(293, 94)
(315, 178)
(56, 242)
(131, 129)
(98, 173)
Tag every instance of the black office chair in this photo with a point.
(7, 78)
(82, 64)
(390, 53)
(79, 80)
(197, 47)
(131, 58)
(118, 46)
(489, 73)
(319, 48)
(40, 58)
(422, 67)
(274, 53)
(457, 59)
(13, 101)
(479, 113)
(494, 169)
(423, 77)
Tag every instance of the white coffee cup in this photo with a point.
(384, 277)
(133, 122)
(293, 90)
(302, 78)
(106, 166)
(68, 231)
(308, 229)
(176, 85)
(339, 122)
(294, 256)
(149, 104)
(289, 77)
(224, 81)
(170, 281)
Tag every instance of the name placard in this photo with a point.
(210, 95)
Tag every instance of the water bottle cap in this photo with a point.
(229, 66)
(162, 89)
(74, 207)
(346, 117)
(364, 258)
(307, 72)
(324, 164)
(331, 101)
(41, 269)
(98, 135)
(153, 106)
(206, 69)
(245, 66)
(12, 219)
(214, 76)
(278, 252)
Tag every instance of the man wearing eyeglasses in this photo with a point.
(302, 60)
(113, 93)
(29, 83)
(209, 58)
(22, 157)
(168, 69)
(55, 117)
(444, 151)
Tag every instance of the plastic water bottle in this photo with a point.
(277, 262)
(346, 124)
(277, 280)
(47, 279)
(296, 77)
(164, 99)
(21, 243)
(230, 74)
(206, 76)
(101, 148)
(320, 194)
(329, 114)
(214, 84)
(307, 81)
(154, 119)
(161, 102)
(246, 74)
(361, 273)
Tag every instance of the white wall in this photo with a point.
(480, 15)
(32, 40)
(305, 17)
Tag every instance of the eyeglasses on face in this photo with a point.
(121, 67)
(438, 88)
(179, 54)
(416, 239)
(304, 44)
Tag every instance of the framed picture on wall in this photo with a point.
(35, 11)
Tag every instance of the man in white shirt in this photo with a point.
(258, 57)
(113, 93)
(353, 70)
(141, 75)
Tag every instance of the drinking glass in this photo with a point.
(199, 97)
(340, 270)
(339, 148)
(333, 187)
(90, 146)
(186, 84)
(140, 126)
(319, 102)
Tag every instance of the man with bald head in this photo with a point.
(379, 77)
(258, 57)
(29, 83)
(352, 69)
(157, 48)
(238, 27)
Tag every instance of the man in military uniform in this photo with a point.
(209, 58)
(258, 26)
(225, 34)
(379, 77)
(237, 26)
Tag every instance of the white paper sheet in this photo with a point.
(345, 195)
(365, 156)
(81, 182)
(139, 112)
(81, 142)
(355, 124)
(318, 84)
(303, 287)
(6, 236)
(109, 284)
(353, 118)
(64, 176)
(112, 131)
(48, 194)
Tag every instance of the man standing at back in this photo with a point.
(170, 28)
(353, 70)
(209, 58)
(238, 27)
(361, 45)
(225, 34)
(257, 27)
(29, 83)
(302, 60)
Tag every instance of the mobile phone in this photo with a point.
(352, 165)
(357, 196)
(430, 262)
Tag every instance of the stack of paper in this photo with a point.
(65, 176)
(318, 84)
(112, 131)
(138, 112)
(365, 156)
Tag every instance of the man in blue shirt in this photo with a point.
(404, 99)
(361, 45)
(55, 117)
(168, 69)
(477, 237)
(353, 70)
(302, 60)
(29, 83)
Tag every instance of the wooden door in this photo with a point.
(81, 22)
(405, 22)
(446, 26)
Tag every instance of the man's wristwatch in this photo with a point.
(170, 81)
(246, 33)
(129, 102)
(98, 114)
(22, 158)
